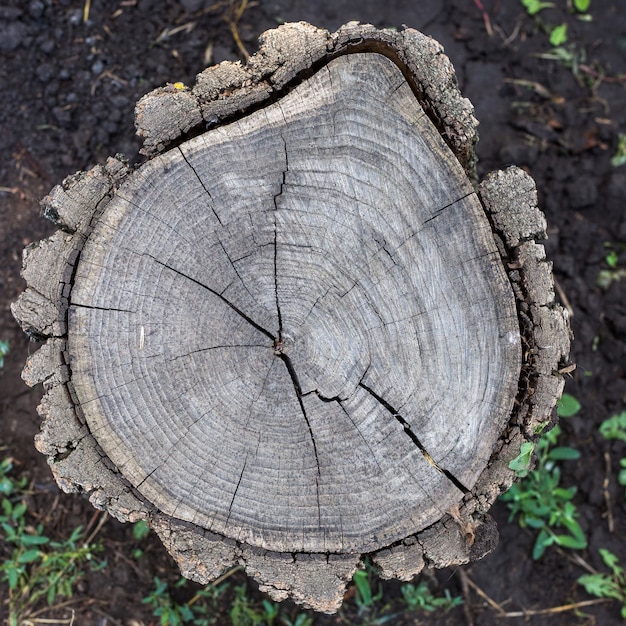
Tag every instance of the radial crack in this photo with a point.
(232, 501)
(413, 437)
(296, 385)
(298, 389)
(218, 295)
(193, 169)
(280, 192)
(99, 308)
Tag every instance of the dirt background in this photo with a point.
(69, 88)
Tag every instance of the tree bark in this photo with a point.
(299, 333)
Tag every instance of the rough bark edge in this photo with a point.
(289, 54)
(314, 580)
(76, 460)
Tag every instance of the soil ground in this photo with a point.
(69, 88)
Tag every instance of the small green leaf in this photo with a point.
(574, 543)
(614, 427)
(141, 530)
(29, 556)
(582, 6)
(600, 585)
(611, 561)
(567, 405)
(544, 539)
(521, 463)
(534, 6)
(13, 575)
(619, 158)
(563, 454)
(612, 259)
(33, 540)
(558, 36)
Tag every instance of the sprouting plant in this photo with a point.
(612, 259)
(302, 619)
(368, 593)
(604, 585)
(521, 463)
(582, 6)
(169, 612)
(202, 609)
(535, 6)
(35, 567)
(614, 273)
(538, 501)
(140, 531)
(4, 350)
(419, 597)
(614, 427)
(619, 158)
(365, 596)
(567, 405)
(245, 613)
(558, 35)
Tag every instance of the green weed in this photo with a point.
(302, 619)
(535, 6)
(614, 273)
(604, 585)
(619, 158)
(558, 35)
(614, 427)
(245, 613)
(567, 405)
(419, 597)
(201, 610)
(365, 597)
(35, 567)
(537, 500)
(521, 463)
(140, 531)
(217, 603)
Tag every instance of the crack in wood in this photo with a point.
(234, 267)
(284, 358)
(276, 196)
(218, 295)
(99, 308)
(438, 212)
(201, 183)
(278, 343)
(225, 346)
(230, 506)
(414, 438)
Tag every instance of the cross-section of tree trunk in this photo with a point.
(298, 334)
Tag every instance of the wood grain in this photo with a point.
(295, 330)
(300, 332)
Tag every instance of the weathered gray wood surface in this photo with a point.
(303, 335)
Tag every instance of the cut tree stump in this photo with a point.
(299, 333)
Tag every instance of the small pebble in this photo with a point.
(97, 67)
(36, 8)
(75, 17)
(48, 46)
(45, 72)
(12, 36)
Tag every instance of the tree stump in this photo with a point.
(299, 333)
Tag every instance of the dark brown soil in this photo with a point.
(69, 88)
